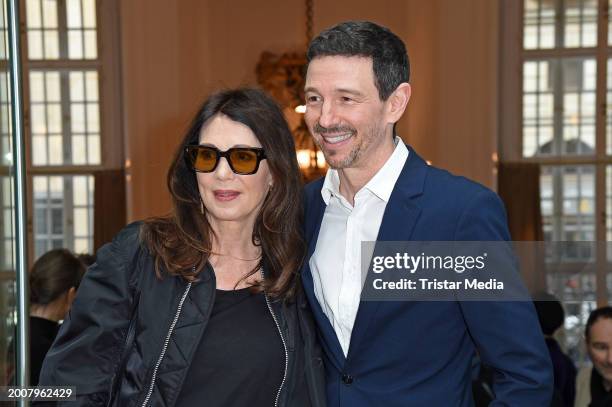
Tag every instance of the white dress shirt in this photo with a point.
(336, 261)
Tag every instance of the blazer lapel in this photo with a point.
(399, 219)
(313, 219)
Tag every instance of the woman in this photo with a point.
(203, 306)
(54, 279)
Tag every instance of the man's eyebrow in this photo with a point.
(349, 91)
(339, 90)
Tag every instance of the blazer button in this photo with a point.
(347, 379)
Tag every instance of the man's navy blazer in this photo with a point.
(420, 353)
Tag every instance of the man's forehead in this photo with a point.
(340, 73)
(340, 63)
(601, 331)
(340, 57)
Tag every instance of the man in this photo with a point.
(398, 353)
(594, 384)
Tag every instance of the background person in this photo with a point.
(594, 383)
(53, 279)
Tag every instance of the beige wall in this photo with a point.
(174, 53)
(452, 119)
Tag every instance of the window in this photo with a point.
(66, 108)
(72, 130)
(7, 216)
(6, 160)
(555, 114)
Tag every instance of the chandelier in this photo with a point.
(283, 77)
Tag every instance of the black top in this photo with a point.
(240, 360)
(42, 335)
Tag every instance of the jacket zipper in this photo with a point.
(165, 347)
(280, 332)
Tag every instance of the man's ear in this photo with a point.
(397, 102)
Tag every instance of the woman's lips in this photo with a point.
(225, 195)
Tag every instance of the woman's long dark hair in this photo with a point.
(181, 242)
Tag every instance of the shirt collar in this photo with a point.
(331, 185)
(381, 184)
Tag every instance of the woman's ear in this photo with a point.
(63, 304)
(70, 296)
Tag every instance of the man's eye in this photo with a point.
(346, 99)
(312, 99)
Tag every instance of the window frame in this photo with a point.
(512, 57)
(108, 66)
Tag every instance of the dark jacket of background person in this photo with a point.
(42, 335)
(588, 380)
(551, 317)
(565, 372)
(87, 352)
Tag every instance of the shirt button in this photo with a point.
(347, 379)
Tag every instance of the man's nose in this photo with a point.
(328, 115)
(609, 357)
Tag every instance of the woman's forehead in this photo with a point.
(222, 131)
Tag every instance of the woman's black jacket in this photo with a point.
(121, 301)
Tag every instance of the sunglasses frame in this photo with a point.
(259, 152)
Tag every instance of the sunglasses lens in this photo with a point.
(204, 159)
(243, 161)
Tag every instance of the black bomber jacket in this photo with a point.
(130, 337)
